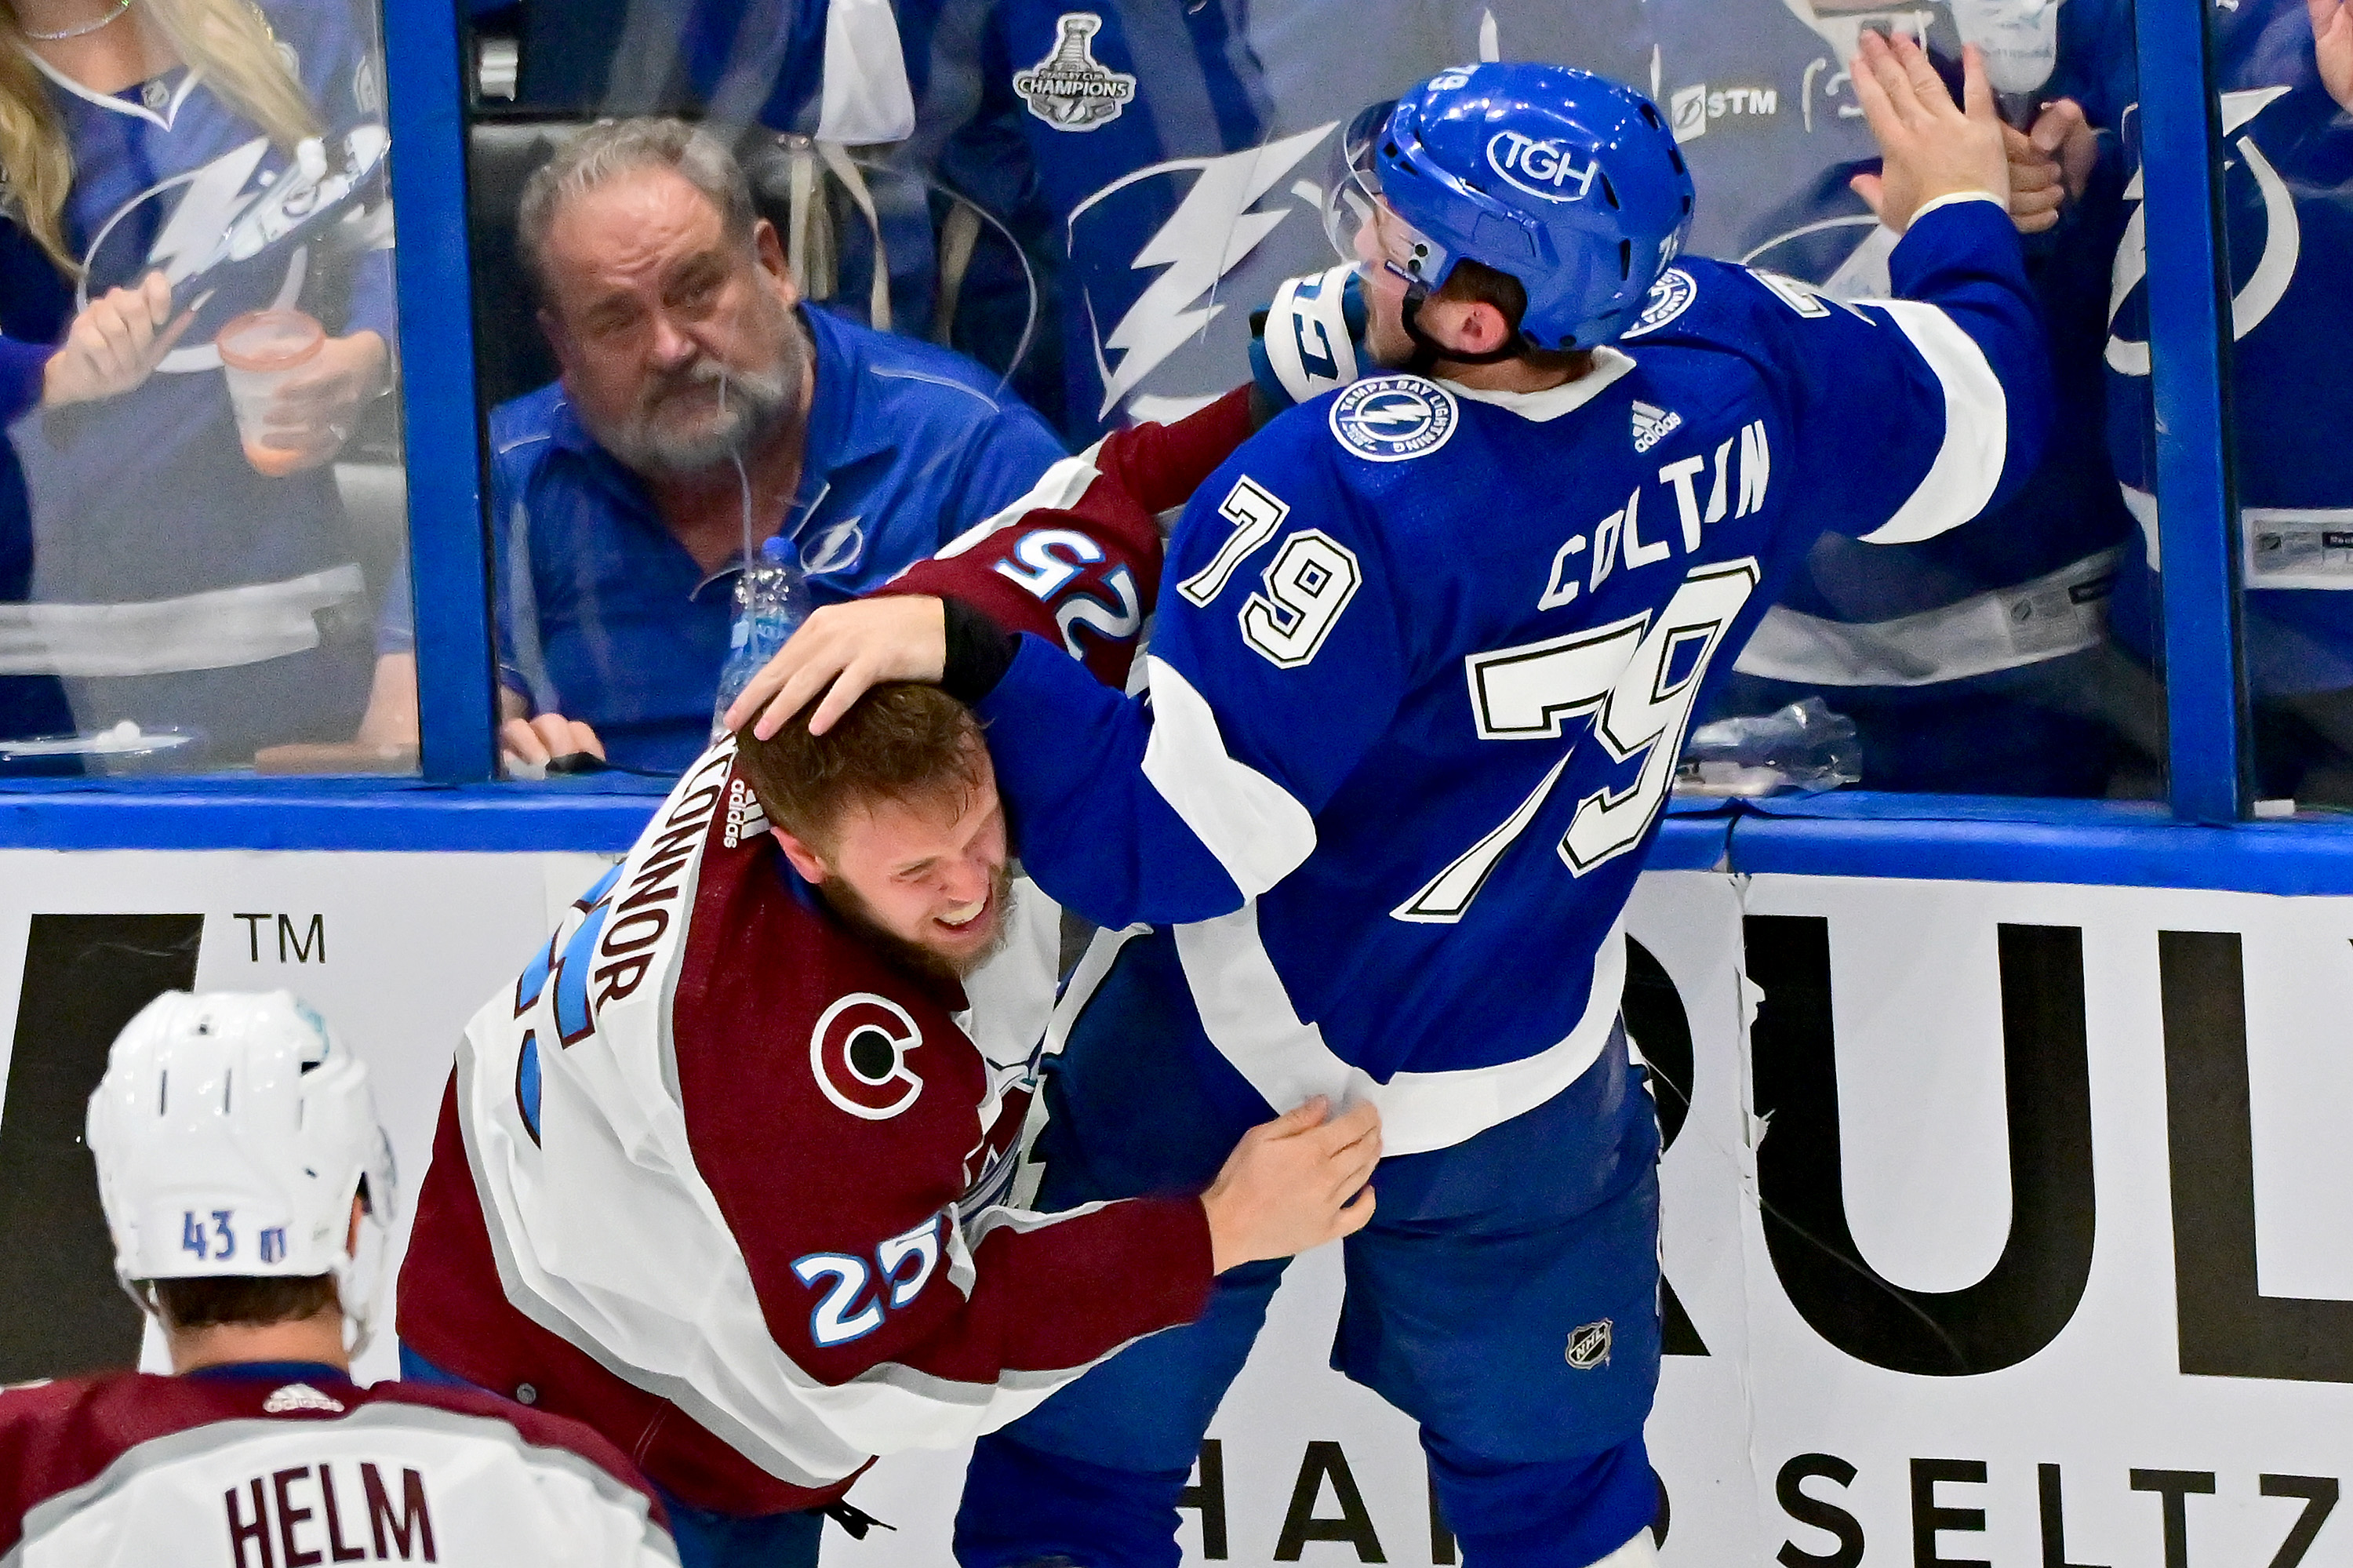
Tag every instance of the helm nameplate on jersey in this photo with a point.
(1670, 297)
(1389, 419)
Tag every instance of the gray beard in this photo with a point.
(754, 406)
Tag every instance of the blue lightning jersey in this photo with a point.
(148, 496)
(1928, 646)
(1173, 155)
(1425, 656)
(2288, 214)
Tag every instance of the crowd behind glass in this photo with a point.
(966, 237)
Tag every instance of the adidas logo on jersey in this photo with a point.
(745, 820)
(300, 1396)
(1653, 425)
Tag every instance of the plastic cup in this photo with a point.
(260, 352)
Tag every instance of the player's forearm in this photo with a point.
(1048, 1297)
(1161, 465)
(1095, 831)
(1965, 259)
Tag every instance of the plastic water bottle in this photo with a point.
(771, 602)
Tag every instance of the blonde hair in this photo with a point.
(228, 41)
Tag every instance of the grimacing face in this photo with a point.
(678, 347)
(932, 875)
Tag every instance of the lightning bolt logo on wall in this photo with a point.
(1212, 231)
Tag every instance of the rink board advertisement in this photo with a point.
(2005, 1223)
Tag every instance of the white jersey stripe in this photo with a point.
(1259, 833)
(1968, 466)
(1249, 1017)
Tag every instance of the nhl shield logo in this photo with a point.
(1389, 419)
(1670, 297)
(1070, 88)
(1588, 1346)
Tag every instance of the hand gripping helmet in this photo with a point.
(1566, 180)
(231, 1132)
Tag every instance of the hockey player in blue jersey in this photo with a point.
(1427, 648)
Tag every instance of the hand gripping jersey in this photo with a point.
(721, 1180)
(2287, 203)
(277, 1465)
(1425, 657)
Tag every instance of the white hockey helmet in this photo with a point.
(231, 1131)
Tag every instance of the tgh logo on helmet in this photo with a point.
(1541, 168)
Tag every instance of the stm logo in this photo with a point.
(1588, 1346)
(1691, 108)
(1544, 169)
(1653, 425)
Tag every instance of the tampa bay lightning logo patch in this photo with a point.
(1670, 297)
(1389, 419)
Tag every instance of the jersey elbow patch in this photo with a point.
(1968, 466)
(1257, 832)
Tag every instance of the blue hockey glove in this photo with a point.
(1310, 340)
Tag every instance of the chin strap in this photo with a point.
(1428, 351)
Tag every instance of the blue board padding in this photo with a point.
(448, 545)
(591, 815)
(2256, 857)
(2189, 302)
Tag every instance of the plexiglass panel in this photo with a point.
(2288, 214)
(202, 509)
(1090, 205)
(1985, 660)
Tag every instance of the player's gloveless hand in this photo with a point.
(1928, 147)
(114, 345)
(843, 650)
(1293, 1183)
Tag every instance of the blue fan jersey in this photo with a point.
(1932, 647)
(2288, 151)
(1173, 155)
(148, 496)
(1425, 656)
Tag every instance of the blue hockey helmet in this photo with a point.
(1566, 180)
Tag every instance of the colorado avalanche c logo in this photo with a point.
(858, 1053)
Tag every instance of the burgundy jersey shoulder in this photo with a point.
(62, 1437)
(1077, 560)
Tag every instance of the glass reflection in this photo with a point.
(200, 507)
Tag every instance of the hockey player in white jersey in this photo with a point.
(1427, 648)
(248, 1187)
